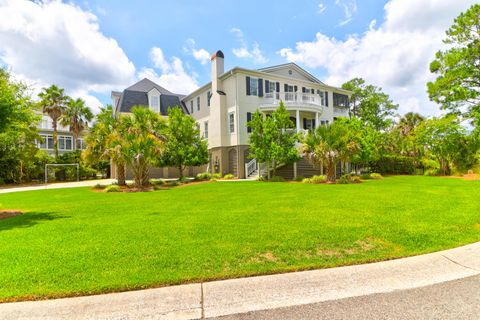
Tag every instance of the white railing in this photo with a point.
(274, 98)
(251, 167)
(343, 111)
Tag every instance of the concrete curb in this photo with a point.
(217, 298)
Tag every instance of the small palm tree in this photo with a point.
(330, 144)
(76, 116)
(53, 101)
(406, 127)
(104, 141)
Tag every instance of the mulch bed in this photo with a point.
(5, 214)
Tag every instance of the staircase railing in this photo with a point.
(251, 167)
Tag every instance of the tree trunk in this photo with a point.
(331, 171)
(274, 169)
(121, 174)
(180, 172)
(55, 145)
(75, 138)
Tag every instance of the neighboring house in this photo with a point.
(64, 137)
(223, 107)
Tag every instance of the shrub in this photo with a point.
(184, 180)
(261, 178)
(99, 186)
(307, 180)
(431, 172)
(318, 179)
(157, 187)
(113, 188)
(157, 182)
(299, 178)
(376, 176)
(355, 179)
(174, 183)
(2, 181)
(228, 176)
(343, 179)
(365, 176)
(216, 176)
(203, 176)
(277, 179)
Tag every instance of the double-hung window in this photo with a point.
(205, 129)
(198, 103)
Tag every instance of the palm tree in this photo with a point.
(104, 141)
(406, 127)
(76, 115)
(142, 135)
(330, 144)
(53, 101)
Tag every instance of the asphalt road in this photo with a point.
(459, 299)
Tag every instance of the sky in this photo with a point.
(91, 47)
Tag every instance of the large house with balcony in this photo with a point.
(223, 107)
(64, 137)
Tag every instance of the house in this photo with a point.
(223, 107)
(64, 137)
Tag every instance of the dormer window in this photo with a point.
(155, 103)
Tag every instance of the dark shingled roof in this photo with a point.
(137, 95)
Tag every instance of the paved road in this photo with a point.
(458, 299)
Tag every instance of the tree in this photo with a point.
(273, 140)
(327, 145)
(442, 139)
(105, 142)
(53, 102)
(19, 154)
(183, 144)
(457, 87)
(142, 141)
(370, 104)
(76, 115)
(406, 130)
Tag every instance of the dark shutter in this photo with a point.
(303, 89)
(312, 91)
(278, 86)
(249, 118)
(326, 98)
(304, 123)
(260, 87)
(267, 86)
(314, 125)
(285, 87)
(248, 86)
(295, 88)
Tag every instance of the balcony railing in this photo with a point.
(274, 98)
(340, 111)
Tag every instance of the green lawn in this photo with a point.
(76, 241)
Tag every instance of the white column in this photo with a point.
(317, 120)
(298, 120)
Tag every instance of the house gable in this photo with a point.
(291, 70)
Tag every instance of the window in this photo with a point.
(191, 107)
(209, 95)
(308, 124)
(46, 143)
(252, 86)
(231, 122)
(155, 103)
(198, 103)
(249, 118)
(205, 129)
(65, 143)
(340, 100)
(44, 124)
(81, 145)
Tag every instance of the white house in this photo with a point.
(223, 107)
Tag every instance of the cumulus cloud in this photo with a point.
(395, 55)
(244, 51)
(349, 7)
(172, 76)
(200, 55)
(57, 43)
(321, 8)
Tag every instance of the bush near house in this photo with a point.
(315, 179)
(203, 176)
(113, 188)
(228, 176)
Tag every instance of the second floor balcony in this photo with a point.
(292, 99)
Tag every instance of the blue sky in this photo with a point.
(91, 47)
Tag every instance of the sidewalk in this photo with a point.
(212, 299)
(63, 185)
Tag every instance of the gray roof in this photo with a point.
(137, 95)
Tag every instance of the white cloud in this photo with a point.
(321, 8)
(395, 56)
(200, 55)
(173, 75)
(58, 43)
(349, 8)
(244, 51)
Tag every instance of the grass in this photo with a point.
(78, 241)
